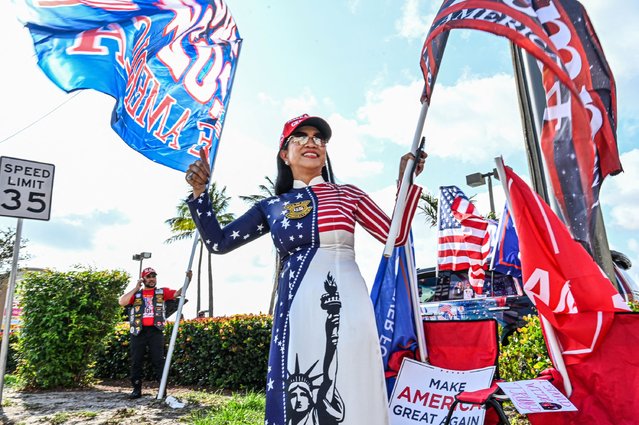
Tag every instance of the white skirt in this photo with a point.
(334, 360)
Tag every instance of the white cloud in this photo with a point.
(348, 152)
(391, 113)
(474, 120)
(618, 36)
(411, 25)
(620, 194)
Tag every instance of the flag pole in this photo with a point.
(414, 297)
(551, 338)
(176, 325)
(439, 217)
(196, 237)
(400, 203)
(500, 230)
(532, 103)
(8, 305)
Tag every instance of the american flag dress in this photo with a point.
(325, 363)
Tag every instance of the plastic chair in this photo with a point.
(467, 345)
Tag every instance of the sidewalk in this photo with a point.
(101, 404)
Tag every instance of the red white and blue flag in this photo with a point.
(391, 298)
(505, 250)
(168, 64)
(578, 136)
(462, 235)
(568, 288)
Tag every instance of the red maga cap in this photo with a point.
(148, 271)
(305, 119)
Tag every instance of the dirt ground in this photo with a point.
(105, 404)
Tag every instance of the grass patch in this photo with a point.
(59, 418)
(13, 382)
(85, 414)
(246, 409)
(203, 398)
(63, 417)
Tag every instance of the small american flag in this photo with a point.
(463, 237)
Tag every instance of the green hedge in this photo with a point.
(65, 317)
(220, 352)
(11, 355)
(526, 355)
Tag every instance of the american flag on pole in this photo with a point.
(462, 236)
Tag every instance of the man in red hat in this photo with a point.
(147, 318)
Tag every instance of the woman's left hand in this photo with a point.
(404, 161)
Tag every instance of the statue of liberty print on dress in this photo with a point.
(310, 404)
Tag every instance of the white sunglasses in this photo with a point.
(303, 140)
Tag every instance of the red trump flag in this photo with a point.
(578, 135)
(568, 288)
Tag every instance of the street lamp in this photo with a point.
(140, 257)
(478, 179)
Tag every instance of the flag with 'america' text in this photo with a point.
(168, 64)
(578, 133)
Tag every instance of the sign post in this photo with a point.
(25, 192)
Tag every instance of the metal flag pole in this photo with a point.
(400, 203)
(414, 297)
(176, 325)
(532, 103)
(551, 338)
(531, 108)
(8, 306)
(439, 217)
(196, 237)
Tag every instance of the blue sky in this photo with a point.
(356, 63)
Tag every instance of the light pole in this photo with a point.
(478, 179)
(140, 257)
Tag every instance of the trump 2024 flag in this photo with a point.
(169, 65)
(566, 285)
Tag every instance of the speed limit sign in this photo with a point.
(25, 188)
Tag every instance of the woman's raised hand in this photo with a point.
(404, 161)
(198, 174)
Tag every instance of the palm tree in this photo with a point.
(183, 227)
(428, 207)
(266, 191)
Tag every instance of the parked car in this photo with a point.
(450, 296)
(627, 287)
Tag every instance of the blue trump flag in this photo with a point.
(168, 64)
(394, 315)
(505, 256)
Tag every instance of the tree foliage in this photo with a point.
(65, 318)
(428, 206)
(221, 352)
(266, 191)
(183, 227)
(7, 243)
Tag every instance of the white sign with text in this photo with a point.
(536, 396)
(25, 188)
(423, 394)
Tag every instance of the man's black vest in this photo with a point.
(137, 309)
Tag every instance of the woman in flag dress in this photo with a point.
(325, 364)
